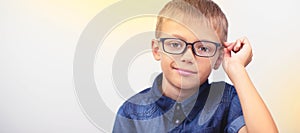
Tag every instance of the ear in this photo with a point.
(220, 59)
(155, 50)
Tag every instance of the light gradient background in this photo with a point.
(38, 40)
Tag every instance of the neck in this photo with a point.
(177, 93)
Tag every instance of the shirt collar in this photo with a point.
(190, 106)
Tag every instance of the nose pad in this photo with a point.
(188, 55)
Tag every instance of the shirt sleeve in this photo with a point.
(235, 115)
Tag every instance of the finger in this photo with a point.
(228, 44)
(237, 46)
(245, 42)
(227, 52)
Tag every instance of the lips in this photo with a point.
(184, 72)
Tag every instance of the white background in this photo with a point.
(38, 41)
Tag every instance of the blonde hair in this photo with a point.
(193, 10)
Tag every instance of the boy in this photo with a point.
(191, 40)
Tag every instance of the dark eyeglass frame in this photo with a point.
(162, 40)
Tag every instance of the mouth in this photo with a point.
(184, 72)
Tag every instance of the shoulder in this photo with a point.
(140, 106)
(222, 85)
(227, 90)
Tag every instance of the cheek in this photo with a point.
(204, 66)
(166, 61)
(207, 63)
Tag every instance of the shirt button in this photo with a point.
(178, 107)
(177, 121)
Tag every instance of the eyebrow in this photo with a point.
(179, 36)
(183, 38)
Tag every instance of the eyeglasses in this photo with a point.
(178, 46)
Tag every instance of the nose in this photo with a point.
(188, 56)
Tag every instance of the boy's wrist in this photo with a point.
(234, 70)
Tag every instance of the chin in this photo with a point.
(187, 84)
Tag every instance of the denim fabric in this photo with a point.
(214, 108)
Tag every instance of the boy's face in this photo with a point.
(185, 71)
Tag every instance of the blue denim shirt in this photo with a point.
(214, 108)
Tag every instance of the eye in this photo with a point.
(175, 45)
(204, 49)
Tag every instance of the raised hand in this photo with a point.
(238, 53)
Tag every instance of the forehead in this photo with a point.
(188, 30)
